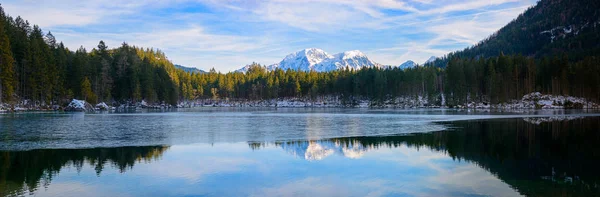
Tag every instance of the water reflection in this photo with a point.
(319, 150)
(540, 120)
(26, 171)
(545, 156)
(493, 157)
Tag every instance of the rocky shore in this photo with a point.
(534, 100)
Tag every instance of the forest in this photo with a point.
(36, 69)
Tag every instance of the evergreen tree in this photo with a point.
(7, 77)
(86, 91)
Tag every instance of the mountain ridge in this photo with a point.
(408, 64)
(430, 60)
(315, 59)
(189, 69)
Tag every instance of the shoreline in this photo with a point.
(532, 101)
(131, 109)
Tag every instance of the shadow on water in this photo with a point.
(535, 157)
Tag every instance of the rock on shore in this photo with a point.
(79, 105)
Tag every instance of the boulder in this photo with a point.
(102, 106)
(79, 105)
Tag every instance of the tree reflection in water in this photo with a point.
(23, 171)
(544, 158)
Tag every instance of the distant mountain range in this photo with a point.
(318, 60)
(314, 59)
(189, 69)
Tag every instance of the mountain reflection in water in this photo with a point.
(557, 158)
(541, 158)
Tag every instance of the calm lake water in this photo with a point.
(301, 152)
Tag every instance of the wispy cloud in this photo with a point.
(73, 12)
(465, 5)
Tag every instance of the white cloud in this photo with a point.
(178, 165)
(465, 5)
(319, 15)
(470, 179)
(73, 12)
(464, 30)
(471, 30)
(310, 186)
(190, 46)
(69, 188)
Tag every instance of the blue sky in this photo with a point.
(228, 34)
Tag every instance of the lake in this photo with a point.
(301, 152)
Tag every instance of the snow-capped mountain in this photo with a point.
(431, 59)
(353, 60)
(320, 61)
(407, 64)
(247, 67)
(304, 60)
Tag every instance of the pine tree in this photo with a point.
(297, 88)
(106, 79)
(86, 91)
(7, 78)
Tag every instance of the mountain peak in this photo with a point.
(353, 54)
(407, 64)
(313, 50)
(431, 59)
(189, 69)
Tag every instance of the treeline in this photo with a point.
(504, 78)
(370, 83)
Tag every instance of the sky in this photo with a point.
(229, 34)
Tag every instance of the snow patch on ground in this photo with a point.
(561, 32)
(538, 100)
